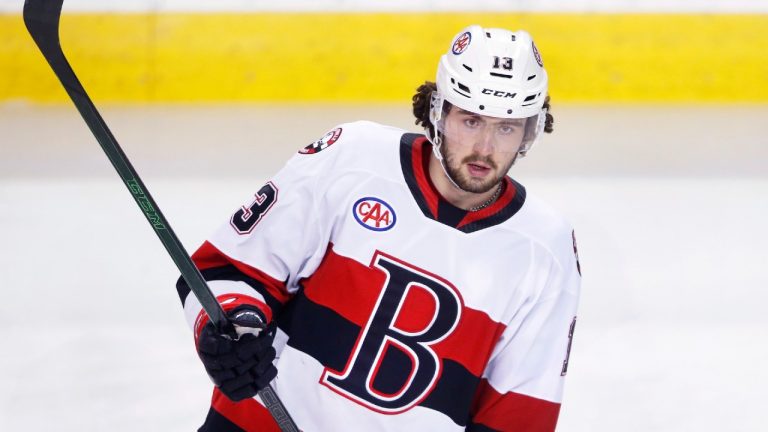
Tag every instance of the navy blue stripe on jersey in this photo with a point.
(454, 392)
(182, 289)
(415, 151)
(475, 427)
(330, 339)
(505, 213)
(449, 214)
(216, 422)
(231, 273)
(308, 325)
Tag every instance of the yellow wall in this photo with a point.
(380, 57)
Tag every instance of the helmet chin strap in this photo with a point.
(435, 114)
(437, 150)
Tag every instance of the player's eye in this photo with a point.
(506, 129)
(471, 122)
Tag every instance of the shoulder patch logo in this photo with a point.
(461, 43)
(326, 141)
(374, 214)
(537, 55)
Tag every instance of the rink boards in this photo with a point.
(360, 56)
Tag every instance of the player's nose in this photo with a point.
(484, 142)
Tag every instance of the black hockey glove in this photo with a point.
(242, 367)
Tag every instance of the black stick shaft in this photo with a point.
(42, 20)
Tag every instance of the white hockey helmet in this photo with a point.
(493, 72)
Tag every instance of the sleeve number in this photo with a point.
(246, 218)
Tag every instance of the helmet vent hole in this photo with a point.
(488, 34)
(509, 111)
(463, 94)
(531, 77)
(462, 90)
(500, 75)
(514, 38)
(482, 107)
(467, 67)
(453, 81)
(530, 100)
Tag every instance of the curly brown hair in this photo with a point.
(423, 96)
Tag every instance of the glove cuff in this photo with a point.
(230, 303)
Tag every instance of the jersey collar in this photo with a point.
(414, 160)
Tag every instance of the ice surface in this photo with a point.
(669, 206)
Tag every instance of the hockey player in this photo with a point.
(407, 282)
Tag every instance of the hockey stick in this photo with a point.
(42, 20)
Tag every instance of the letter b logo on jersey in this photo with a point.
(393, 366)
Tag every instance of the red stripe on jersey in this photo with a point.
(248, 414)
(512, 411)
(421, 173)
(470, 344)
(506, 197)
(208, 256)
(337, 271)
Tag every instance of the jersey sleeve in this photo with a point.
(522, 385)
(277, 237)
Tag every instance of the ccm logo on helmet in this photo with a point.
(374, 214)
(498, 93)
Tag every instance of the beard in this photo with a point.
(467, 183)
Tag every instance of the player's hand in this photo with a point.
(242, 367)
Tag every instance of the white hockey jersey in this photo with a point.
(397, 311)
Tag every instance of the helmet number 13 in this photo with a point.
(502, 63)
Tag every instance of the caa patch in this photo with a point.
(537, 55)
(461, 43)
(374, 214)
(326, 141)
